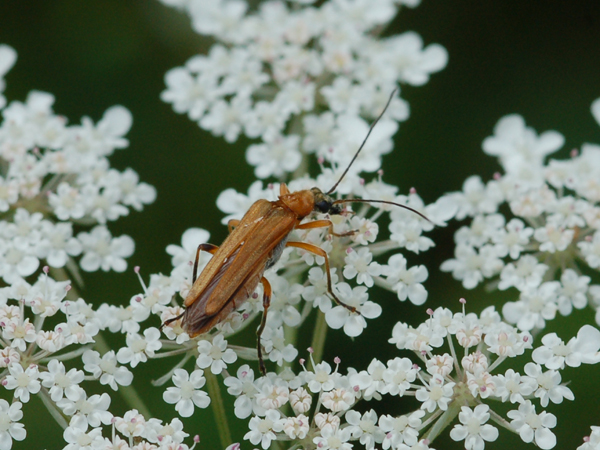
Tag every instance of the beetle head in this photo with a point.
(324, 203)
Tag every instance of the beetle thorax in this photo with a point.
(302, 203)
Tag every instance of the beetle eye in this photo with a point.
(323, 206)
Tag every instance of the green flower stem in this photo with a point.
(319, 335)
(444, 421)
(216, 400)
(54, 412)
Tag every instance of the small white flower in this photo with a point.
(533, 427)
(398, 376)
(402, 429)
(59, 381)
(187, 392)
(513, 386)
(406, 282)
(78, 437)
(353, 322)
(473, 431)
(359, 264)
(139, 348)
(364, 428)
(243, 387)
(262, 431)
(296, 427)
(300, 400)
(102, 251)
(333, 439)
(92, 411)
(132, 424)
(9, 416)
(321, 379)
(548, 385)
(436, 394)
(106, 368)
(215, 354)
(24, 382)
(337, 400)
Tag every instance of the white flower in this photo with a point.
(398, 375)
(24, 382)
(103, 251)
(333, 439)
(296, 427)
(364, 428)
(553, 239)
(79, 438)
(17, 260)
(512, 240)
(272, 395)
(513, 386)
(321, 379)
(59, 381)
(215, 354)
(106, 368)
(131, 424)
(353, 322)
(517, 145)
(67, 202)
(402, 429)
(337, 400)
(473, 431)
(262, 431)
(278, 155)
(359, 264)
(573, 291)
(471, 267)
(243, 387)
(10, 414)
(139, 348)
(300, 400)
(548, 385)
(436, 393)
(527, 273)
(187, 392)
(591, 250)
(533, 427)
(92, 411)
(406, 282)
(534, 307)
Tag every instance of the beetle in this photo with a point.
(255, 243)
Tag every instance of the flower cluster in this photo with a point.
(298, 78)
(54, 176)
(550, 243)
(459, 382)
(130, 432)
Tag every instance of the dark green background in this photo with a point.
(539, 59)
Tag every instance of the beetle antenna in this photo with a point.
(330, 191)
(362, 200)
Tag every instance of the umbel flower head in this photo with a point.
(54, 176)
(549, 245)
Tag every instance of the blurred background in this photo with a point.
(538, 59)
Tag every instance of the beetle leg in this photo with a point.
(232, 224)
(171, 320)
(266, 303)
(210, 248)
(322, 224)
(320, 252)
